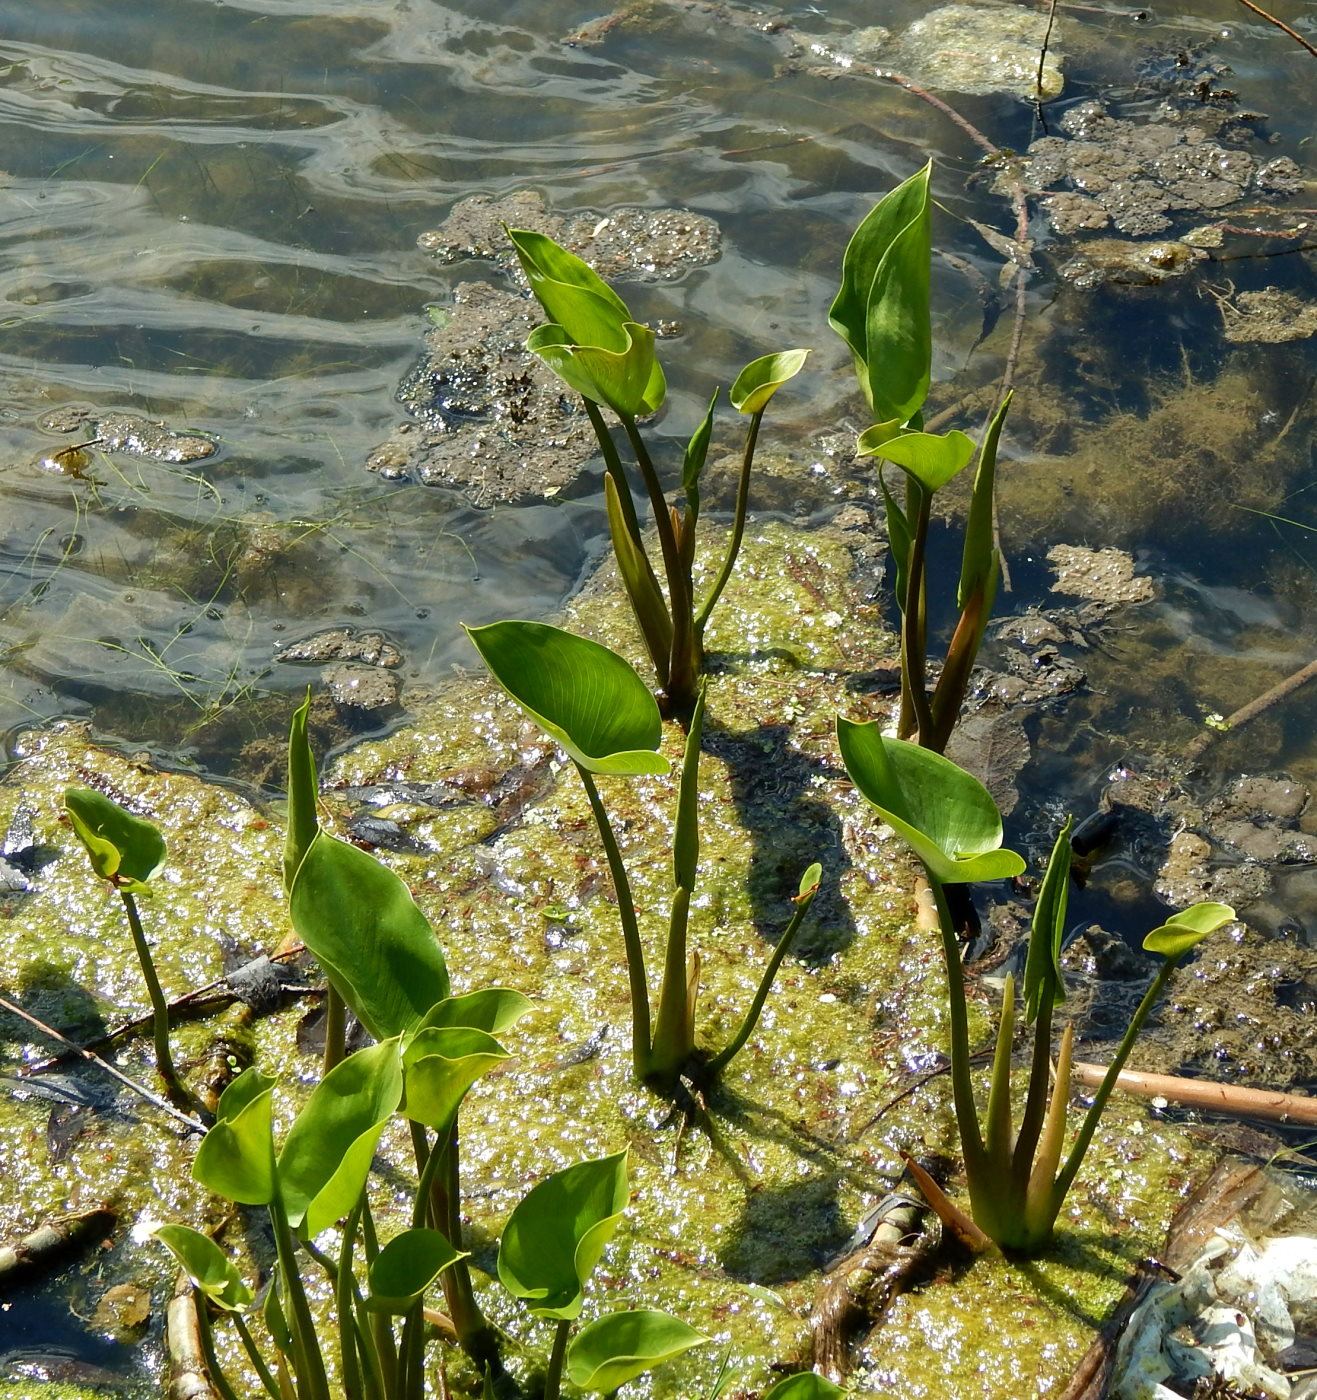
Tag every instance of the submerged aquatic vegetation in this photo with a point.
(1017, 1181)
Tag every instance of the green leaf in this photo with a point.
(570, 292)
(275, 1321)
(554, 1237)
(124, 849)
(585, 697)
(492, 1009)
(931, 458)
(978, 565)
(441, 1064)
(1184, 931)
(614, 1349)
(206, 1264)
(804, 1386)
(627, 378)
(406, 1267)
(762, 378)
(302, 823)
(898, 539)
(945, 814)
(697, 451)
(376, 947)
(882, 308)
(236, 1157)
(1042, 968)
(686, 833)
(326, 1156)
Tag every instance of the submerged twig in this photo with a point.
(1200, 743)
(1271, 1104)
(46, 1246)
(192, 1124)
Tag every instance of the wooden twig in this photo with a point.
(1271, 19)
(189, 1376)
(192, 1124)
(1200, 743)
(1203, 1093)
(1042, 61)
(47, 1246)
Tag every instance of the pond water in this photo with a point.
(210, 214)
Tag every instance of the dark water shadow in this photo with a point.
(789, 830)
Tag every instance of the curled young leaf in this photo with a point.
(762, 378)
(931, 458)
(211, 1271)
(617, 1347)
(125, 849)
(406, 1267)
(626, 375)
(1184, 931)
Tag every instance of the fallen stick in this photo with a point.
(192, 1124)
(1202, 1093)
(189, 1375)
(1271, 19)
(1199, 745)
(46, 1246)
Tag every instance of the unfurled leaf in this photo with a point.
(978, 562)
(931, 458)
(326, 1156)
(441, 1064)
(570, 292)
(692, 464)
(492, 1009)
(123, 848)
(585, 697)
(642, 588)
(406, 1267)
(236, 1157)
(365, 930)
(206, 1264)
(946, 814)
(627, 377)
(554, 1238)
(614, 1349)
(762, 378)
(1184, 931)
(882, 308)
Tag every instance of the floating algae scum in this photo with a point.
(224, 247)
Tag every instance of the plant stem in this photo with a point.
(349, 1363)
(613, 465)
(626, 912)
(255, 1357)
(553, 1377)
(734, 1046)
(916, 717)
(962, 1090)
(674, 1035)
(313, 1384)
(178, 1092)
(685, 666)
(207, 1338)
(738, 525)
(336, 1029)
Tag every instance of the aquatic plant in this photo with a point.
(592, 704)
(882, 313)
(596, 347)
(128, 851)
(1017, 1180)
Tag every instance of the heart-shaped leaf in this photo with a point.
(762, 378)
(236, 1157)
(569, 290)
(554, 1237)
(1184, 931)
(365, 930)
(124, 849)
(441, 1064)
(614, 1349)
(327, 1153)
(882, 308)
(946, 814)
(931, 458)
(206, 1264)
(406, 1267)
(584, 697)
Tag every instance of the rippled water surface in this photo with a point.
(210, 214)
